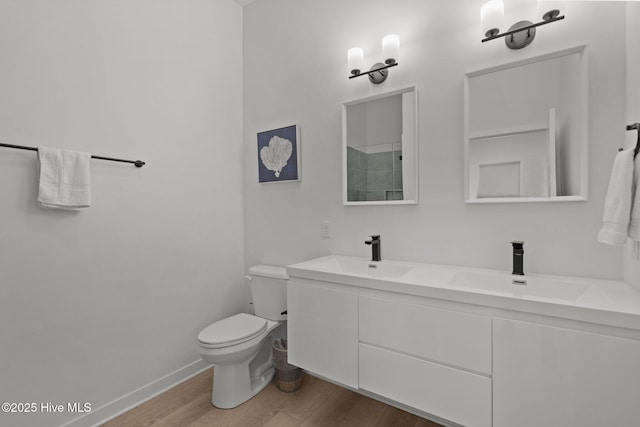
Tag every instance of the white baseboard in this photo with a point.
(124, 403)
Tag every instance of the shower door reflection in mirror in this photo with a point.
(380, 149)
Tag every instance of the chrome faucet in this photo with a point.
(375, 247)
(518, 257)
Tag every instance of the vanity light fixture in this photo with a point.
(520, 34)
(379, 71)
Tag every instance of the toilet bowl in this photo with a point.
(239, 346)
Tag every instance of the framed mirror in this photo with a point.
(526, 130)
(380, 149)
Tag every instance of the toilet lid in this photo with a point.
(232, 330)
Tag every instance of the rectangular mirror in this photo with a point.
(526, 130)
(380, 150)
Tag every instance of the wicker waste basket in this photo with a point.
(288, 377)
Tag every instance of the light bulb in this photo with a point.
(355, 60)
(390, 49)
(548, 10)
(491, 17)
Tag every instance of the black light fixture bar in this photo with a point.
(521, 29)
(373, 71)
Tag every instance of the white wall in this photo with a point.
(95, 304)
(296, 72)
(631, 258)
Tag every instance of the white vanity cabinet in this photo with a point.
(462, 347)
(322, 329)
(557, 377)
(434, 360)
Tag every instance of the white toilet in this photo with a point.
(240, 346)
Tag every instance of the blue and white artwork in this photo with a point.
(279, 155)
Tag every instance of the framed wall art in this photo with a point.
(279, 155)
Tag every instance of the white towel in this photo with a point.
(634, 226)
(64, 178)
(617, 205)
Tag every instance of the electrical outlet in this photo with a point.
(326, 230)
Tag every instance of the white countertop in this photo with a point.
(606, 302)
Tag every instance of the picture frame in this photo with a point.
(279, 155)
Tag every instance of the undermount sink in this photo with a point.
(520, 285)
(379, 269)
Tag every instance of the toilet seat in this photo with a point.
(232, 330)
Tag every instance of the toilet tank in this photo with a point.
(269, 291)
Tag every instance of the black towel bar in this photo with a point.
(138, 163)
(635, 126)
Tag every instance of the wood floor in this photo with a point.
(316, 404)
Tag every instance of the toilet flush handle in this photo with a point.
(249, 279)
(283, 313)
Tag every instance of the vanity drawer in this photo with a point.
(449, 393)
(454, 338)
